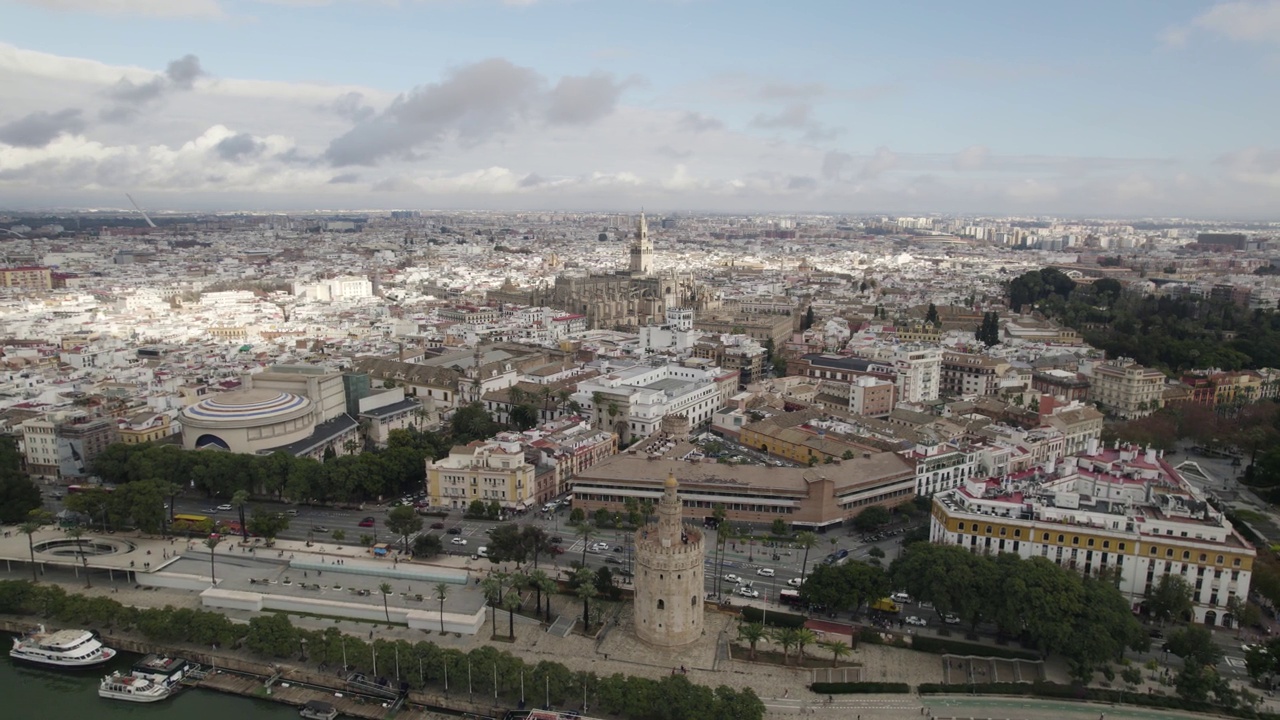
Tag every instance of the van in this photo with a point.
(483, 551)
(886, 605)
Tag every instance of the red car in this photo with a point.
(368, 522)
(557, 550)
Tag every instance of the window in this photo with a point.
(1219, 560)
(1090, 543)
(662, 605)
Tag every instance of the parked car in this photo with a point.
(437, 526)
(454, 531)
(795, 582)
(732, 578)
(917, 621)
(459, 541)
(368, 522)
(748, 592)
(766, 572)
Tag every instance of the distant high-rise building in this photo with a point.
(1236, 241)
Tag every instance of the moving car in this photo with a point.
(454, 531)
(459, 541)
(368, 522)
(732, 578)
(748, 592)
(951, 619)
(917, 621)
(795, 582)
(225, 507)
(319, 529)
(437, 526)
(900, 597)
(766, 572)
(612, 560)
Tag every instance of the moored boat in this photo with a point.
(318, 710)
(132, 688)
(63, 648)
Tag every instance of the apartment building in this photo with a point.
(1126, 389)
(26, 278)
(491, 471)
(1078, 424)
(760, 327)
(870, 396)
(1063, 384)
(917, 369)
(942, 466)
(145, 427)
(1119, 509)
(967, 375)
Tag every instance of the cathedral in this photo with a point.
(625, 299)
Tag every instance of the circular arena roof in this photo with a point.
(246, 407)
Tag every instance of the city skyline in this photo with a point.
(1141, 109)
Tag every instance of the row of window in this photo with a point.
(1090, 542)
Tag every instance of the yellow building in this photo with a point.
(1119, 509)
(1127, 389)
(788, 436)
(489, 471)
(145, 428)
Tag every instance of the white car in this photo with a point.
(732, 578)
(951, 619)
(748, 592)
(917, 621)
(459, 541)
(900, 597)
(766, 572)
(225, 507)
(795, 582)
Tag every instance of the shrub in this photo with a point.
(848, 688)
(774, 619)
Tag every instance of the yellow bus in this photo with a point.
(193, 519)
(886, 605)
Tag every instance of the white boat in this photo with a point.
(64, 648)
(318, 710)
(163, 669)
(132, 688)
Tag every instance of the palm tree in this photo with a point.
(585, 531)
(492, 589)
(75, 532)
(385, 589)
(172, 489)
(212, 544)
(515, 395)
(597, 400)
(510, 603)
(541, 582)
(563, 396)
(807, 540)
(786, 637)
(752, 633)
(238, 501)
(724, 533)
(586, 590)
(804, 636)
(36, 520)
(837, 648)
(442, 592)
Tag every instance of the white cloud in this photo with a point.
(153, 8)
(484, 136)
(1243, 20)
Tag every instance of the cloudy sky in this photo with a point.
(1102, 108)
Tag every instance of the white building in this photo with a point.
(634, 400)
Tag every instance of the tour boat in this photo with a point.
(64, 648)
(163, 669)
(132, 688)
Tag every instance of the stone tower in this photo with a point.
(642, 250)
(669, 584)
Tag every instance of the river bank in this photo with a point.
(229, 672)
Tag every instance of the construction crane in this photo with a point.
(140, 210)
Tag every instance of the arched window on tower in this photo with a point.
(662, 605)
(693, 602)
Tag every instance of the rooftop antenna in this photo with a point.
(140, 210)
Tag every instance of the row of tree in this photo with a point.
(1050, 608)
(349, 478)
(421, 665)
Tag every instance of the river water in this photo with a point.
(30, 691)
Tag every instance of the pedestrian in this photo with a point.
(786, 692)
(370, 634)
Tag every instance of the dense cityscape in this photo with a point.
(551, 360)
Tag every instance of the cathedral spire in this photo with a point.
(642, 249)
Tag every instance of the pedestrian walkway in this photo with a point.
(562, 626)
